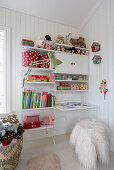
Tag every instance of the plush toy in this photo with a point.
(81, 43)
(67, 39)
(78, 51)
(73, 50)
(40, 43)
(60, 39)
(73, 42)
(53, 61)
(10, 118)
(48, 42)
(2, 131)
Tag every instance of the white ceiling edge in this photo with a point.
(78, 29)
(86, 20)
(28, 13)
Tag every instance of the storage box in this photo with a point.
(31, 125)
(44, 61)
(75, 87)
(30, 56)
(64, 84)
(30, 119)
(36, 78)
(63, 88)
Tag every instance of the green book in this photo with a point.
(31, 101)
(39, 100)
(22, 99)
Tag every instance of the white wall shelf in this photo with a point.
(76, 108)
(51, 83)
(69, 46)
(40, 128)
(71, 90)
(73, 81)
(38, 69)
(40, 108)
(42, 50)
(39, 49)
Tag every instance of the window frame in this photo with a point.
(8, 70)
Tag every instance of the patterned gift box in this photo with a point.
(30, 56)
(44, 60)
(75, 87)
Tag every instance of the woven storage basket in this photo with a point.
(9, 155)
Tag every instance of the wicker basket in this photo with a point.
(9, 155)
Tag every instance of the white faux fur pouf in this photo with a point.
(91, 141)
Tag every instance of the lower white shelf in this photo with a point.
(40, 108)
(41, 128)
(71, 90)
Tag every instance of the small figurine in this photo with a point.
(48, 42)
(97, 59)
(95, 47)
(103, 88)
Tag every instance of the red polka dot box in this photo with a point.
(44, 60)
(30, 56)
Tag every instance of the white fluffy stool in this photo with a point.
(91, 141)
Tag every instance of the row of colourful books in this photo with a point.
(32, 100)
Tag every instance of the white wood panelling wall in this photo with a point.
(99, 29)
(30, 27)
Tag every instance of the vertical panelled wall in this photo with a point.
(99, 29)
(30, 27)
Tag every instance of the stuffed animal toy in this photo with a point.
(73, 50)
(40, 43)
(48, 120)
(80, 42)
(67, 39)
(48, 45)
(2, 131)
(73, 42)
(53, 61)
(45, 161)
(60, 39)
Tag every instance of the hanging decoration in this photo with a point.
(103, 88)
(97, 59)
(96, 47)
(53, 61)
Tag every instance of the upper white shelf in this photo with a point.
(39, 49)
(69, 46)
(54, 51)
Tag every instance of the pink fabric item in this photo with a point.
(48, 120)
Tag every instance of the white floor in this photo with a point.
(61, 148)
